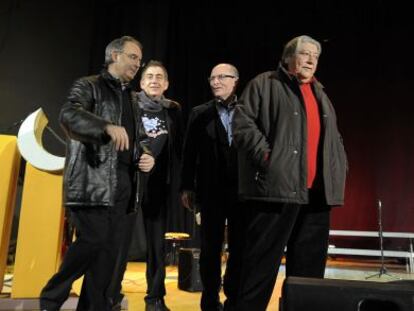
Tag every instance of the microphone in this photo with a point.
(380, 214)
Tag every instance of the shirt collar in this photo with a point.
(229, 103)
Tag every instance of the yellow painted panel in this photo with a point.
(40, 234)
(9, 172)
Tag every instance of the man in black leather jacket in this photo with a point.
(102, 121)
(292, 169)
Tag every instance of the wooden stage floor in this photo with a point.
(134, 284)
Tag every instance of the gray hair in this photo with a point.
(154, 63)
(291, 48)
(118, 45)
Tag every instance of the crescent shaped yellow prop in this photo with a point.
(29, 141)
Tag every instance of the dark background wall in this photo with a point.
(366, 67)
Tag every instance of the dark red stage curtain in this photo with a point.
(379, 140)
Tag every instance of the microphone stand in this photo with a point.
(383, 270)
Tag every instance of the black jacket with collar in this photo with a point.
(204, 165)
(90, 178)
(269, 130)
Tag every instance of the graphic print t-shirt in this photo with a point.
(156, 128)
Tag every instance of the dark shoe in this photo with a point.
(218, 307)
(117, 307)
(228, 306)
(156, 305)
(48, 309)
(117, 303)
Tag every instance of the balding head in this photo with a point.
(223, 80)
(228, 67)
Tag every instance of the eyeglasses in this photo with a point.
(309, 54)
(220, 77)
(133, 57)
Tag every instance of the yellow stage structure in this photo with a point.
(39, 241)
(9, 171)
(40, 233)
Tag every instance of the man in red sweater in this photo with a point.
(292, 168)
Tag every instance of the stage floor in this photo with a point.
(134, 284)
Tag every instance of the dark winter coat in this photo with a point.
(270, 132)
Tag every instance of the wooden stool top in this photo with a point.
(176, 236)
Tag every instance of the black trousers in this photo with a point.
(302, 229)
(99, 236)
(114, 291)
(154, 216)
(155, 227)
(213, 224)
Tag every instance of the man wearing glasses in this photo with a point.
(292, 169)
(209, 178)
(103, 159)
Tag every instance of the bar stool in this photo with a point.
(175, 238)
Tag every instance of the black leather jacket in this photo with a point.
(90, 178)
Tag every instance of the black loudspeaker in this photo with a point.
(189, 270)
(304, 294)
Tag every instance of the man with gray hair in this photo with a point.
(104, 156)
(292, 169)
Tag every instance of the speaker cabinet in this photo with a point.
(188, 270)
(304, 294)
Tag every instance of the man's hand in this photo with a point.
(187, 199)
(146, 162)
(118, 136)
